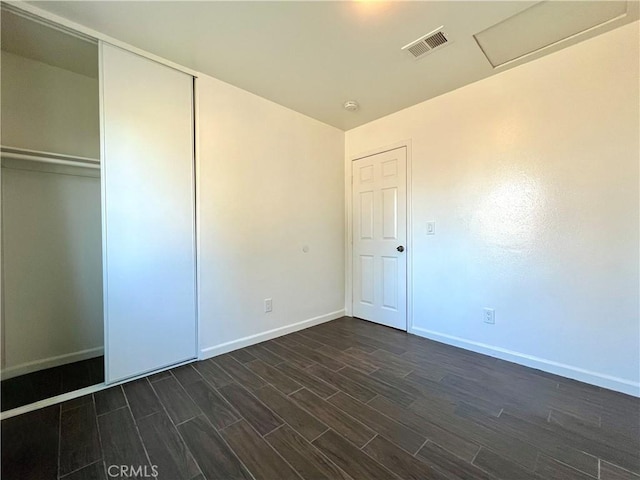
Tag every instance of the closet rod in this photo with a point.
(46, 157)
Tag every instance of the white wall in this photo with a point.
(270, 182)
(532, 178)
(49, 109)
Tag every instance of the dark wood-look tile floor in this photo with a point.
(345, 400)
(32, 387)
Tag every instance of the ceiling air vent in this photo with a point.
(427, 43)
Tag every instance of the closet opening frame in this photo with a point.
(92, 35)
(47, 163)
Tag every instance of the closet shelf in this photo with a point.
(48, 157)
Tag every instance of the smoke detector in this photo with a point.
(428, 43)
(351, 105)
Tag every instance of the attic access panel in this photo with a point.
(543, 25)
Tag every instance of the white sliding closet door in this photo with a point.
(148, 214)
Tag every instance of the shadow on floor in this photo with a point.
(32, 387)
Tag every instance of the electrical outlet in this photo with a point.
(489, 316)
(268, 305)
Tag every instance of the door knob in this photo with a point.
(400, 248)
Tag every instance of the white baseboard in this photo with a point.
(50, 362)
(216, 350)
(594, 378)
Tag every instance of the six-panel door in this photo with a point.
(379, 238)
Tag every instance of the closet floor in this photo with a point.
(29, 388)
(345, 400)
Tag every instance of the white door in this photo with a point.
(148, 214)
(379, 238)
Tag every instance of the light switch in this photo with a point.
(431, 228)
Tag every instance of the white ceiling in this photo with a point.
(313, 56)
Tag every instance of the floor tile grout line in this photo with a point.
(227, 402)
(372, 389)
(209, 383)
(287, 360)
(377, 395)
(59, 438)
(336, 407)
(176, 425)
(95, 410)
(270, 384)
(577, 469)
(626, 470)
(166, 412)
(421, 447)
(135, 424)
(299, 334)
(167, 373)
(219, 431)
(144, 417)
(70, 409)
(165, 407)
(369, 441)
(274, 429)
(341, 436)
(110, 411)
(310, 374)
(233, 354)
(242, 366)
(355, 419)
(335, 387)
(306, 356)
(318, 436)
(272, 448)
(389, 418)
(295, 391)
(221, 434)
(333, 395)
(382, 466)
(374, 371)
(78, 469)
(478, 452)
(258, 400)
(226, 426)
(261, 345)
(319, 420)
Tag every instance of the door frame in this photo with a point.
(348, 247)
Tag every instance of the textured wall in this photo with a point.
(270, 182)
(532, 178)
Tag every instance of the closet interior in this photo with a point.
(98, 213)
(52, 276)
